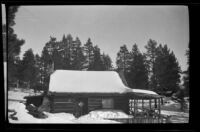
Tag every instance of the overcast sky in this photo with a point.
(109, 27)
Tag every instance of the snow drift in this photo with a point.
(106, 114)
(102, 116)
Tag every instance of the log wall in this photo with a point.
(62, 104)
(94, 104)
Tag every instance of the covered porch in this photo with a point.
(145, 107)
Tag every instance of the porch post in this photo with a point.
(136, 103)
(155, 101)
(142, 104)
(129, 106)
(150, 103)
(159, 106)
(134, 107)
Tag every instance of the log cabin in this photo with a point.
(79, 92)
(84, 91)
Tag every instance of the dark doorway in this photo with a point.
(81, 106)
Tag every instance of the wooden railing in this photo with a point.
(140, 120)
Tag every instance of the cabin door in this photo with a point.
(81, 106)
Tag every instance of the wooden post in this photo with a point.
(131, 105)
(159, 107)
(150, 104)
(134, 107)
(142, 104)
(136, 102)
(155, 101)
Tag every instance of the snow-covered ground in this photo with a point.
(15, 102)
(172, 105)
(102, 116)
(172, 108)
(24, 117)
(18, 94)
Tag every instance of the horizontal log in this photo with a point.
(91, 104)
(95, 106)
(94, 102)
(94, 99)
(63, 107)
(57, 111)
(97, 103)
(62, 99)
(60, 106)
(63, 103)
(91, 109)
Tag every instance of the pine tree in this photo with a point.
(57, 60)
(150, 54)
(68, 52)
(46, 60)
(14, 45)
(186, 77)
(45, 57)
(167, 70)
(107, 62)
(78, 57)
(123, 63)
(29, 70)
(38, 71)
(97, 63)
(138, 76)
(123, 59)
(89, 53)
(52, 56)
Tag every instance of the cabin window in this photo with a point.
(107, 103)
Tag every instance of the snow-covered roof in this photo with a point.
(71, 81)
(144, 91)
